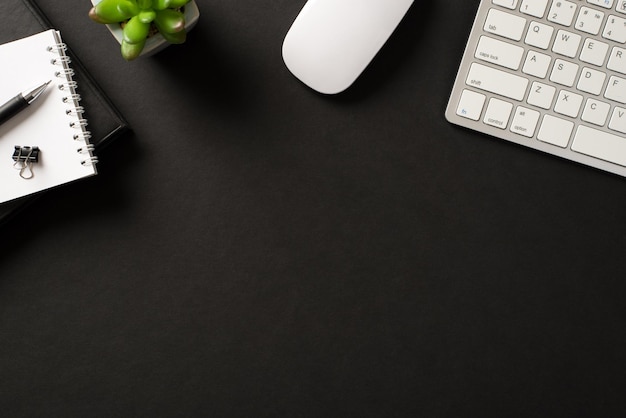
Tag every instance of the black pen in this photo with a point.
(21, 101)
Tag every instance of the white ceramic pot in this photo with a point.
(157, 42)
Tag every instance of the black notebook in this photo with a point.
(22, 19)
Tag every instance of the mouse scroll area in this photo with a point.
(331, 42)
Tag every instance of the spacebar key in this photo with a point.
(496, 81)
(599, 144)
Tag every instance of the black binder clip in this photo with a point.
(24, 158)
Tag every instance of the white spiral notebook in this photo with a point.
(52, 129)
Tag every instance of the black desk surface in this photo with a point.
(255, 249)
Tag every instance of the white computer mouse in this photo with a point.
(331, 42)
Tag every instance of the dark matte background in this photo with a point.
(255, 249)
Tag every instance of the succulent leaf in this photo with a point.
(161, 4)
(169, 21)
(178, 3)
(131, 51)
(113, 11)
(168, 4)
(135, 30)
(94, 16)
(147, 16)
(144, 4)
(176, 37)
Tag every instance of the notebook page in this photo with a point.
(53, 122)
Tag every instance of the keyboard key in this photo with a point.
(618, 120)
(566, 43)
(607, 4)
(564, 72)
(539, 35)
(496, 81)
(617, 60)
(509, 4)
(600, 144)
(541, 95)
(498, 113)
(471, 105)
(594, 52)
(591, 81)
(535, 8)
(615, 29)
(595, 112)
(505, 24)
(525, 121)
(537, 64)
(499, 53)
(616, 89)
(568, 103)
(562, 12)
(555, 131)
(589, 20)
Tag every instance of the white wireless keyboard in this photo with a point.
(549, 75)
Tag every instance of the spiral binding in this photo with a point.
(61, 60)
(59, 48)
(83, 136)
(86, 149)
(65, 73)
(69, 85)
(78, 110)
(73, 97)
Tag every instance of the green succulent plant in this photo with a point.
(140, 19)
